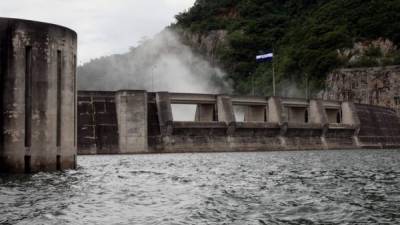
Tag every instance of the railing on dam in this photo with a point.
(144, 122)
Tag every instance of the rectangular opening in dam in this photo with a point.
(28, 96)
(59, 91)
(239, 111)
(334, 115)
(183, 112)
(297, 114)
(250, 113)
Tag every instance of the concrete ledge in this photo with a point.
(185, 98)
(341, 126)
(292, 125)
(203, 125)
(255, 125)
(295, 102)
(96, 93)
(249, 100)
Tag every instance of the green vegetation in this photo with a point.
(306, 36)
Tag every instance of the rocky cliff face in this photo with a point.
(369, 53)
(376, 86)
(205, 43)
(372, 82)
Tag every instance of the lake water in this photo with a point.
(307, 187)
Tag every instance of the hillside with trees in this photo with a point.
(309, 38)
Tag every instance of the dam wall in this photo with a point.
(37, 96)
(379, 128)
(97, 122)
(143, 122)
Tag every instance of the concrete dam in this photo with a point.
(46, 122)
(133, 121)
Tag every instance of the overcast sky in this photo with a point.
(104, 27)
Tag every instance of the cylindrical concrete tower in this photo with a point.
(37, 96)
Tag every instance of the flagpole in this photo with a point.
(252, 83)
(273, 73)
(263, 58)
(307, 92)
(273, 78)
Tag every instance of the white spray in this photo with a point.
(160, 64)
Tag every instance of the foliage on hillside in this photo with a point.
(306, 36)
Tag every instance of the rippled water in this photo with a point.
(314, 187)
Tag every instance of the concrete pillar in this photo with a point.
(317, 113)
(205, 112)
(164, 113)
(276, 111)
(38, 96)
(255, 113)
(132, 121)
(349, 114)
(277, 115)
(350, 117)
(225, 112)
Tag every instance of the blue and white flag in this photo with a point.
(265, 58)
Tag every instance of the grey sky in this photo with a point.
(104, 26)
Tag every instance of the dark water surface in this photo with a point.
(314, 187)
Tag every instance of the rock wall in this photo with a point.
(206, 43)
(374, 86)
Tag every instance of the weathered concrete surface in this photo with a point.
(340, 136)
(97, 123)
(225, 113)
(270, 124)
(164, 112)
(37, 66)
(205, 113)
(132, 121)
(379, 127)
(276, 111)
(256, 114)
(225, 109)
(153, 124)
(318, 113)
